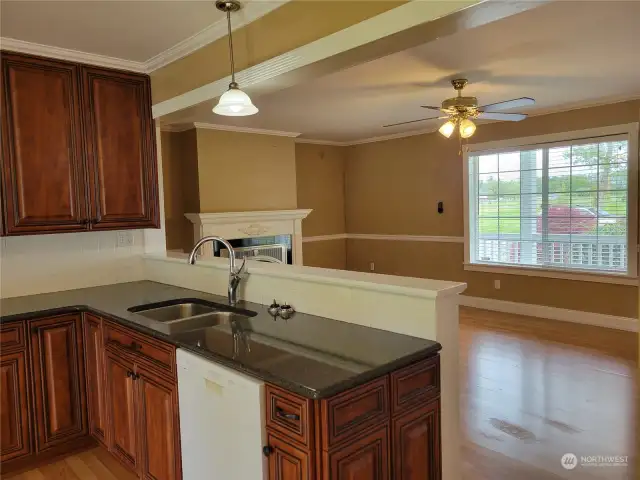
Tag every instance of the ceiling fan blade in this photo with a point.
(515, 103)
(431, 108)
(410, 121)
(512, 117)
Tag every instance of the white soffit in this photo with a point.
(85, 46)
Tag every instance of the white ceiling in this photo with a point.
(131, 30)
(565, 55)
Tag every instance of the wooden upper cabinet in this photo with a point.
(120, 142)
(43, 176)
(58, 380)
(95, 371)
(14, 405)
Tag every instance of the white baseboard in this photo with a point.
(553, 313)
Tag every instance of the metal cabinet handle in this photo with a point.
(289, 416)
(130, 374)
(267, 450)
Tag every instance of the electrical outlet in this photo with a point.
(372, 266)
(125, 238)
(496, 284)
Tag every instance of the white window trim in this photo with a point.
(632, 131)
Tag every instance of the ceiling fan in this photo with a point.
(461, 110)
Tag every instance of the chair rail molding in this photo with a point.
(234, 225)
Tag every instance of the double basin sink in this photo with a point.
(187, 314)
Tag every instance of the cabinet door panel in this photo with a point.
(416, 444)
(58, 380)
(122, 436)
(287, 462)
(159, 428)
(95, 368)
(120, 149)
(364, 458)
(43, 176)
(14, 407)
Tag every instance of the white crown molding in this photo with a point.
(177, 128)
(250, 12)
(21, 46)
(233, 128)
(312, 141)
(541, 311)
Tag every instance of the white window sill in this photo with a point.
(550, 273)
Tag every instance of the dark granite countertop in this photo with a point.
(314, 356)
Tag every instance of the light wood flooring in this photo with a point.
(531, 390)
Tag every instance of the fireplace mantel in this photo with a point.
(233, 225)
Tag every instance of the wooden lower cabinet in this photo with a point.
(286, 460)
(416, 443)
(366, 457)
(122, 405)
(57, 364)
(14, 407)
(95, 372)
(158, 427)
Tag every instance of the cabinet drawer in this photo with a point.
(12, 336)
(143, 348)
(289, 414)
(353, 411)
(415, 384)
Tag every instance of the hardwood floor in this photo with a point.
(533, 390)
(94, 464)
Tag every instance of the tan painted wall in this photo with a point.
(180, 177)
(303, 21)
(244, 171)
(325, 254)
(320, 171)
(393, 187)
(320, 178)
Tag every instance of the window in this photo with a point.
(558, 205)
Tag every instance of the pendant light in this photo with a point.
(234, 102)
(467, 128)
(447, 128)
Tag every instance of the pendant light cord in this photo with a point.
(233, 67)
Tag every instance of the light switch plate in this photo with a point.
(125, 238)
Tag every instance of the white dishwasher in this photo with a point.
(222, 421)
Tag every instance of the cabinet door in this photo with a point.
(14, 407)
(121, 151)
(365, 457)
(43, 176)
(58, 380)
(416, 444)
(95, 371)
(287, 462)
(121, 400)
(159, 427)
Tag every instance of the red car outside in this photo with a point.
(564, 219)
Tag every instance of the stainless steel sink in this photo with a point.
(188, 314)
(176, 313)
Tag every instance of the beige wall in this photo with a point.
(320, 172)
(304, 22)
(393, 187)
(181, 195)
(243, 171)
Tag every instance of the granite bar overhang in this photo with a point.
(313, 356)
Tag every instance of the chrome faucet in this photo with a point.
(235, 274)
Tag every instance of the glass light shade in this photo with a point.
(467, 128)
(235, 103)
(447, 129)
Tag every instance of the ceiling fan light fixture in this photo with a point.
(447, 128)
(467, 128)
(235, 103)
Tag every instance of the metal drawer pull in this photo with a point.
(289, 416)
